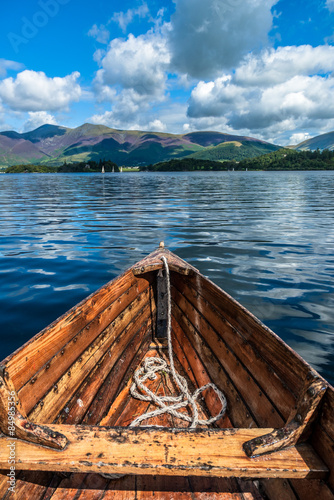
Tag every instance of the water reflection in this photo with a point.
(266, 238)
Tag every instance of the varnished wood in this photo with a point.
(168, 452)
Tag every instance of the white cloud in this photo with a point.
(136, 63)
(299, 137)
(157, 126)
(123, 19)
(132, 78)
(38, 118)
(208, 36)
(6, 65)
(276, 66)
(34, 91)
(101, 34)
(330, 5)
(266, 97)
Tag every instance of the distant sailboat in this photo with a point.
(113, 169)
(103, 171)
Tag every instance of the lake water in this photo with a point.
(267, 238)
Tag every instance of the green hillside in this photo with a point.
(234, 150)
(324, 141)
(52, 145)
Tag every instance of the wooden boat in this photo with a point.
(66, 402)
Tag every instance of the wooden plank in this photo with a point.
(261, 407)
(324, 446)
(271, 384)
(164, 452)
(135, 407)
(70, 487)
(121, 489)
(163, 488)
(61, 362)
(312, 489)
(31, 485)
(31, 357)
(54, 401)
(189, 358)
(4, 484)
(215, 488)
(291, 368)
(112, 367)
(237, 410)
(279, 489)
(116, 383)
(326, 419)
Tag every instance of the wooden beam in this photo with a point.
(14, 425)
(198, 452)
(298, 422)
(156, 266)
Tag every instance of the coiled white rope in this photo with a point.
(170, 404)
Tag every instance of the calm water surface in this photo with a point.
(267, 238)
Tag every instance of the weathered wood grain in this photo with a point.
(258, 367)
(260, 406)
(53, 402)
(30, 358)
(290, 367)
(111, 368)
(237, 410)
(164, 452)
(200, 371)
(49, 374)
(300, 419)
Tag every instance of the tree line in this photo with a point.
(85, 166)
(282, 159)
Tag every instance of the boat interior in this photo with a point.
(72, 382)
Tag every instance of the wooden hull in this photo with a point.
(71, 386)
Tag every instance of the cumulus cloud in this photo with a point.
(157, 126)
(132, 78)
(123, 19)
(100, 33)
(275, 91)
(209, 36)
(38, 118)
(137, 63)
(34, 91)
(276, 66)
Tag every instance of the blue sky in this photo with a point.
(262, 68)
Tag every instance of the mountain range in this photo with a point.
(324, 141)
(53, 145)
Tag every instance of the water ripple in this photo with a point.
(266, 238)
